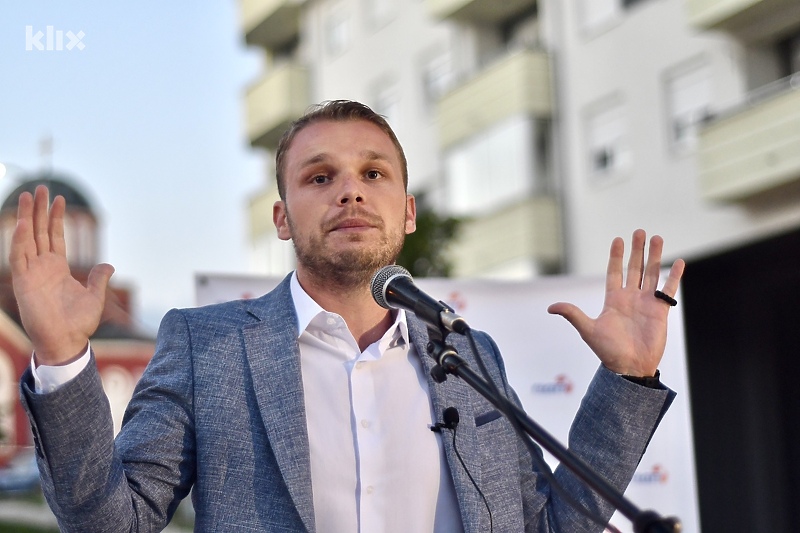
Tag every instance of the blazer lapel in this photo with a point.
(274, 359)
(454, 393)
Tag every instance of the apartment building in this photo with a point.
(386, 54)
(552, 126)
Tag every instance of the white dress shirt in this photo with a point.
(375, 464)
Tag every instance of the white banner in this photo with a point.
(550, 368)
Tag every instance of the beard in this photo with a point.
(353, 266)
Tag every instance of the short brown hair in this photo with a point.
(336, 110)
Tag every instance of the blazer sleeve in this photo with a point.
(91, 482)
(610, 432)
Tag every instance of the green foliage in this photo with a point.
(425, 251)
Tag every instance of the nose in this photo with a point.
(351, 191)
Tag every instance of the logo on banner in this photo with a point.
(561, 385)
(656, 476)
(457, 301)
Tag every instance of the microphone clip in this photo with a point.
(451, 419)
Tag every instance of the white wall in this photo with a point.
(627, 60)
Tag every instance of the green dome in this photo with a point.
(58, 185)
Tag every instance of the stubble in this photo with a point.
(351, 267)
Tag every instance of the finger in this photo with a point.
(41, 201)
(97, 282)
(636, 261)
(22, 245)
(653, 269)
(579, 320)
(56, 226)
(674, 278)
(614, 270)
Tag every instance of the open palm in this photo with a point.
(58, 312)
(629, 334)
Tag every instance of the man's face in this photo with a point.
(345, 208)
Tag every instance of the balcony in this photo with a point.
(749, 20)
(528, 230)
(754, 150)
(274, 102)
(517, 84)
(482, 11)
(271, 23)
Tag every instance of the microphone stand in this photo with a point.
(449, 362)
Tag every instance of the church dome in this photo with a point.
(59, 184)
(80, 221)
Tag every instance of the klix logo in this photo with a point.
(53, 40)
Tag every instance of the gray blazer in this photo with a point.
(220, 412)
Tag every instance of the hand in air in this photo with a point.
(630, 334)
(58, 312)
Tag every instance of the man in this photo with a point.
(309, 408)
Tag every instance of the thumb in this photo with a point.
(572, 313)
(97, 281)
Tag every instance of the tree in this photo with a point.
(425, 251)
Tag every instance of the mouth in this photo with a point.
(353, 224)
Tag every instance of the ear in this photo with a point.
(281, 221)
(411, 214)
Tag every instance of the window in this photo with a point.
(437, 79)
(387, 103)
(607, 141)
(494, 168)
(337, 31)
(789, 54)
(595, 14)
(378, 12)
(689, 103)
(522, 31)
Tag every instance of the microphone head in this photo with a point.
(381, 279)
(451, 417)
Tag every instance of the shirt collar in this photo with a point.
(307, 309)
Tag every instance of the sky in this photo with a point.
(146, 113)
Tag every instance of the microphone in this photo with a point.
(393, 288)
(451, 420)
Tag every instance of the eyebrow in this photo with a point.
(369, 155)
(372, 155)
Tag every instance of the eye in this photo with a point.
(373, 174)
(320, 178)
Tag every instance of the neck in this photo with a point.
(366, 320)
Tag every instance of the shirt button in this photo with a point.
(365, 423)
(370, 489)
(331, 321)
(360, 364)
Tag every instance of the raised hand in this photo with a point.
(57, 311)
(630, 334)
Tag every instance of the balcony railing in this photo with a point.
(755, 148)
(528, 230)
(519, 83)
(749, 20)
(484, 11)
(274, 102)
(271, 23)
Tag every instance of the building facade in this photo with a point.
(553, 126)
